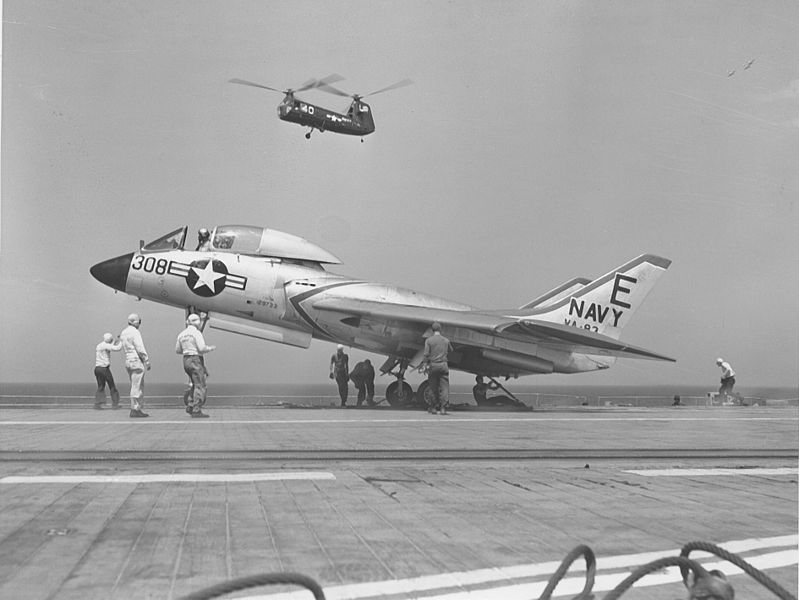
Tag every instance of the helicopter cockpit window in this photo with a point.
(285, 107)
(173, 240)
(241, 239)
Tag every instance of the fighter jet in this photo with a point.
(274, 286)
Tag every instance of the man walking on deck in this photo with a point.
(340, 371)
(136, 362)
(727, 379)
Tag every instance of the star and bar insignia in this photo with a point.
(207, 277)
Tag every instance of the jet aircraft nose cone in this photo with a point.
(113, 272)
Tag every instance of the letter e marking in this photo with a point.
(617, 287)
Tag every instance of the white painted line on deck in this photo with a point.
(777, 552)
(435, 420)
(171, 478)
(711, 472)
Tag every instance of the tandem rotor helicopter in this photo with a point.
(356, 121)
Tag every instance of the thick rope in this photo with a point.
(686, 564)
(590, 567)
(653, 566)
(256, 581)
(750, 570)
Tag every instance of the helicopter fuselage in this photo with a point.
(357, 120)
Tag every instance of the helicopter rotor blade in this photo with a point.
(333, 78)
(258, 85)
(326, 87)
(393, 86)
(311, 83)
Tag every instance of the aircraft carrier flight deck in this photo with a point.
(388, 503)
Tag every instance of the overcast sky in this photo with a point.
(540, 141)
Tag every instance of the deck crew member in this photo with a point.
(436, 350)
(727, 378)
(480, 390)
(340, 371)
(136, 362)
(191, 344)
(363, 376)
(102, 371)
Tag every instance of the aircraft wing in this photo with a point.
(415, 316)
(554, 335)
(579, 340)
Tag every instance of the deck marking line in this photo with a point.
(525, 591)
(450, 420)
(417, 586)
(713, 472)
(170, 478)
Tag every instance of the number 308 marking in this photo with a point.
(149, 264)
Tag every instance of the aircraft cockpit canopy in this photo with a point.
(259, 241)
(249, 240)
(174, 240)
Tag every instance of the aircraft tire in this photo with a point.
(393, 394)
(424, 395)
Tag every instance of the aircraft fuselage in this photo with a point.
(358, 120)
(272, 285)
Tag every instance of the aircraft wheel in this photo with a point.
(425, 395)
(397, 396)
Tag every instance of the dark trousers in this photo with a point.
(366, 390)
(104, 377)
(343, 383)
(438, 382)
(194, 367)
(726, 386)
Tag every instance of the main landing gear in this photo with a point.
(398, 393)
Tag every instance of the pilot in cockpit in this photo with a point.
(203, 240)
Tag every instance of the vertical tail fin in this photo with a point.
(564, 290)
(606, 304)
